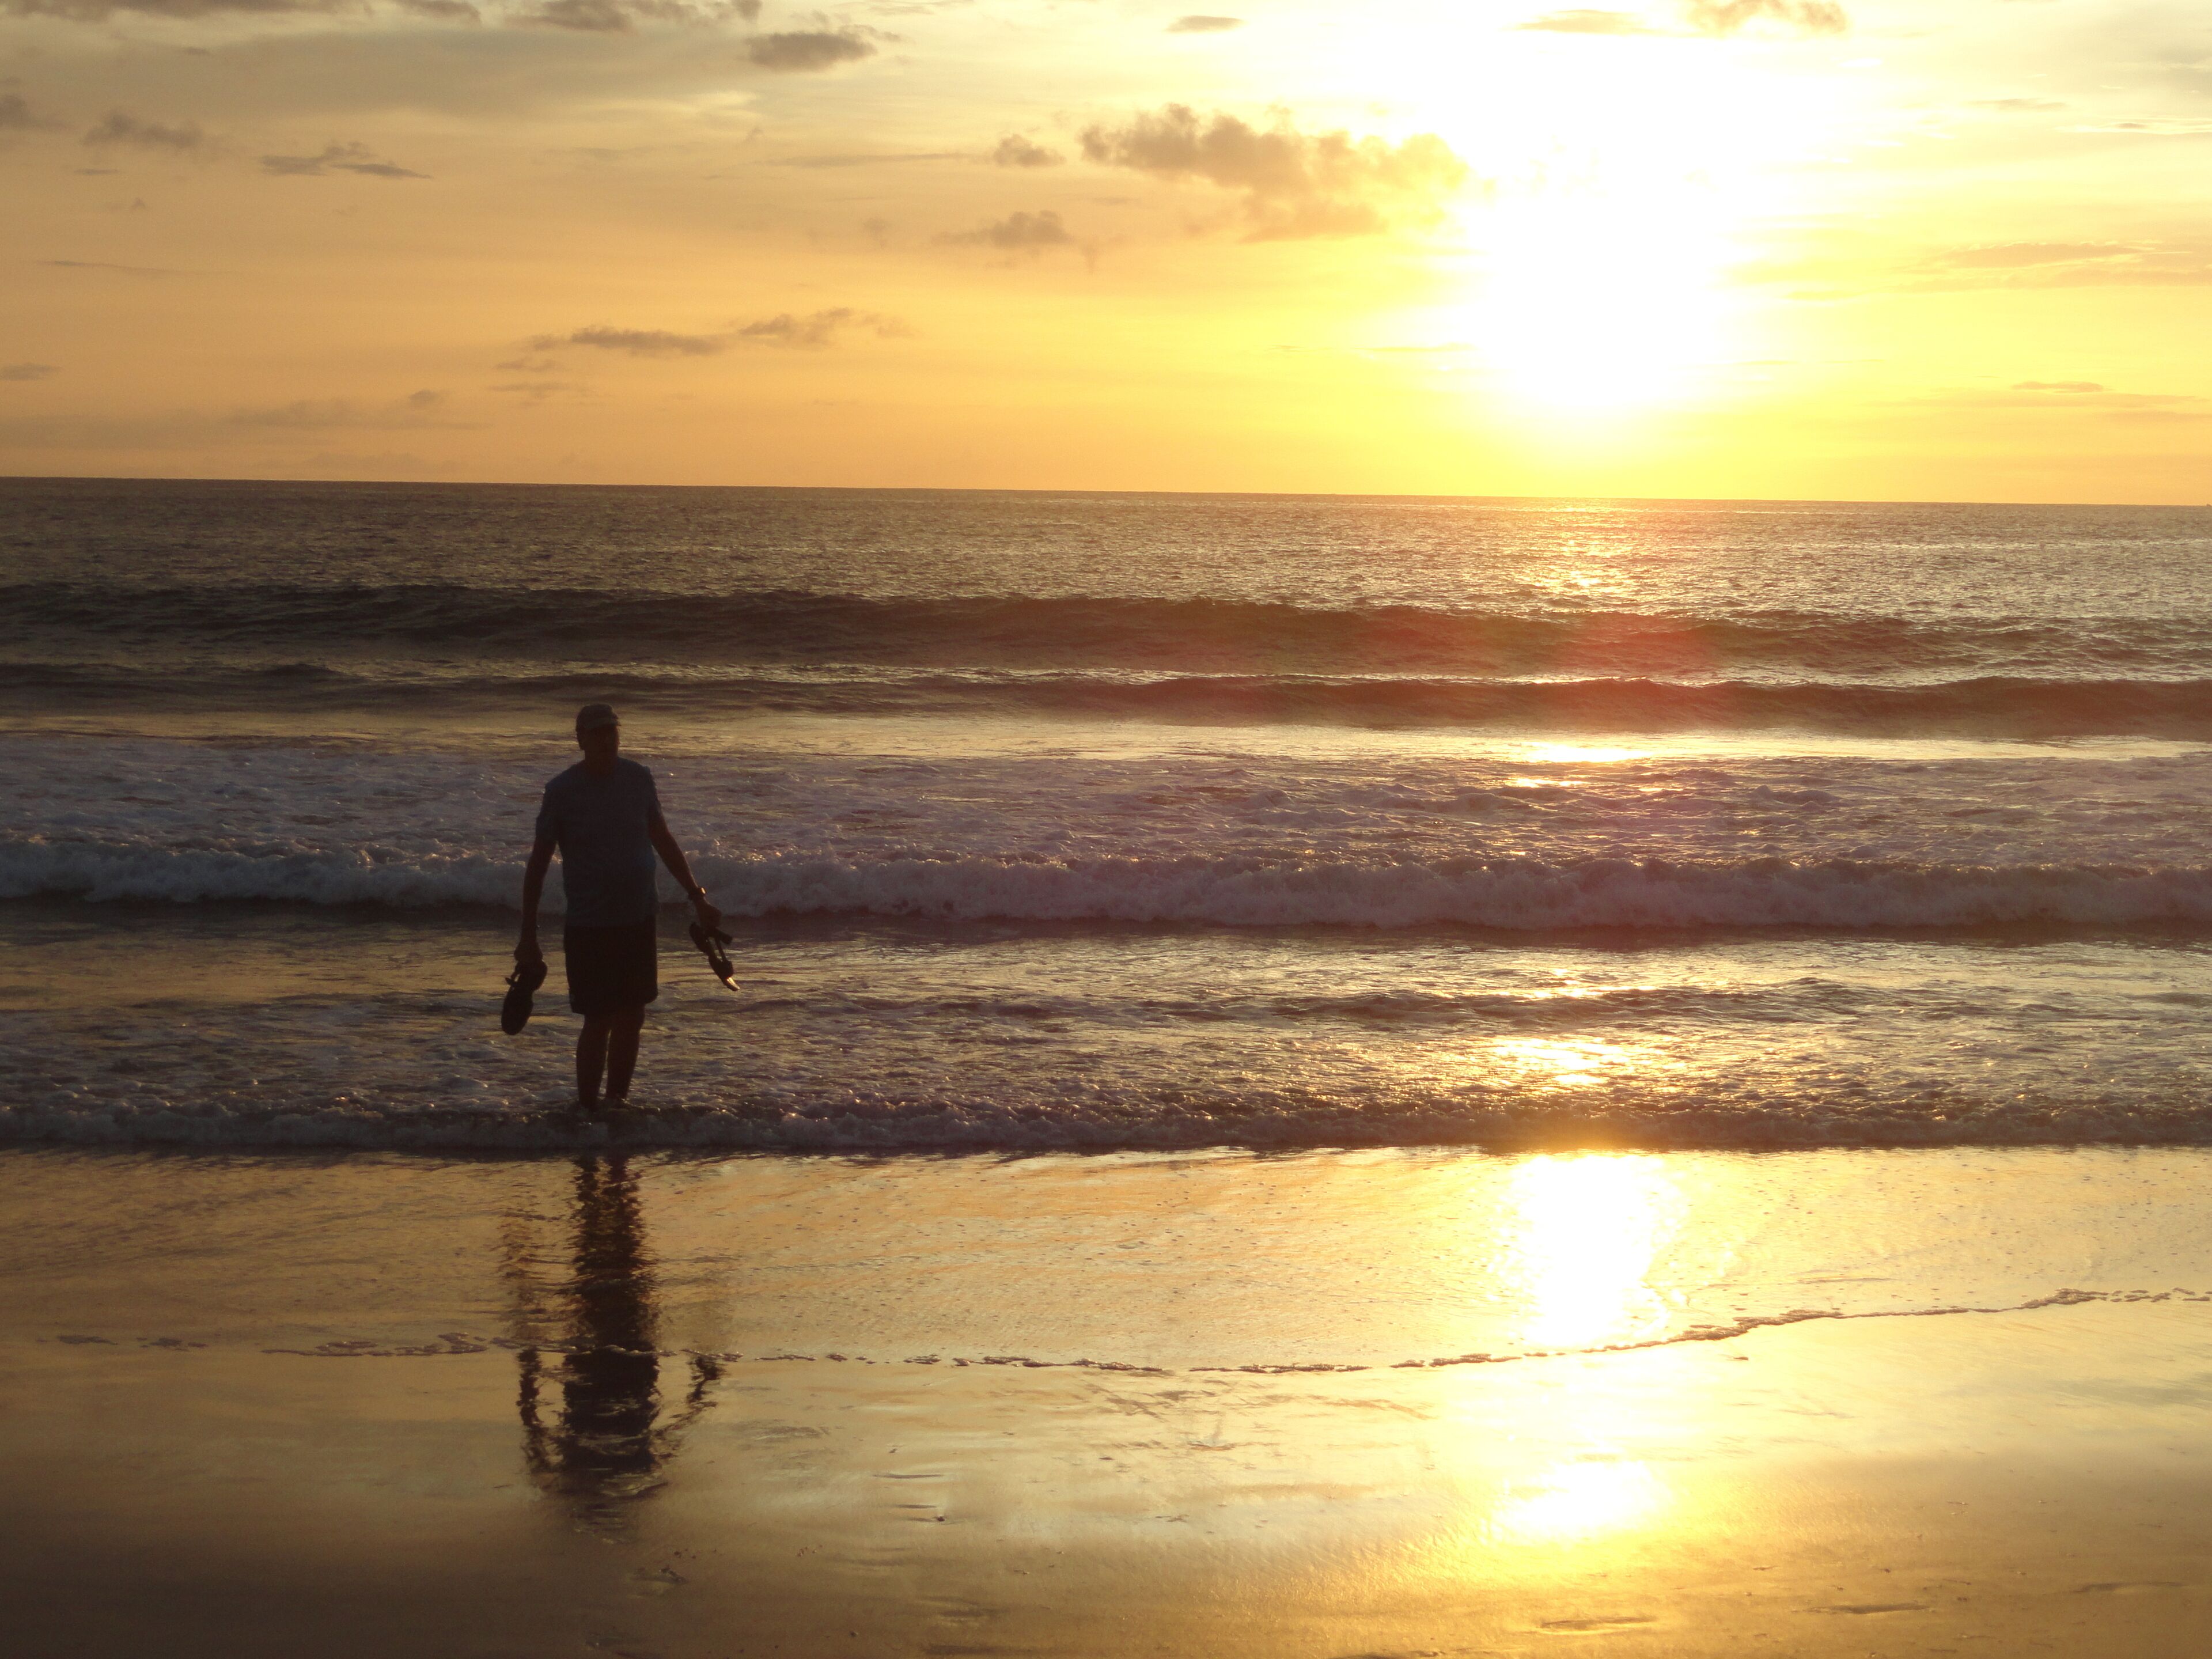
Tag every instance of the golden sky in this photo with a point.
(1941, 249)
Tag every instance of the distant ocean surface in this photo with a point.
(1118, 821)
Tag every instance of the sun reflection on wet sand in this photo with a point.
(1589, 1228)
(1571, 1501)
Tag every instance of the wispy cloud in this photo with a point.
(16, 115)
(2001, 255)
(811, 331)
(28, 371)
(1201, 23)
(418, 409)
(636, 342)
(1731, 16)
(622, 16)
(809, 51)
(127, 271)
(337, 158)
(98, 11)
(1584, 20)
(1294, 184)
(818, 329)
(1015, 151)
(121, 129)
(1018, 232)
(867, 158)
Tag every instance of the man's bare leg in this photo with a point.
(622, 1050)
(591, 1057)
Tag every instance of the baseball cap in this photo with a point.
(594, 715)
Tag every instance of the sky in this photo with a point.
(1912, 250)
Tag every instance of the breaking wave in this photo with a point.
(1519, 894)
(1993, 705)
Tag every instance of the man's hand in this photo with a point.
(708, 916)
(527, 954)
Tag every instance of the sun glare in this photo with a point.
(1591, 1228)
(1620, 186)
(1574, 1500)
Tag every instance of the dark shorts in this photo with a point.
(612, 968)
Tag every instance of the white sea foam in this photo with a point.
(1236, 840)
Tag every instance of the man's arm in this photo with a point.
(664, 843)
(533, 890)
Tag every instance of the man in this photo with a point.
(603, 817)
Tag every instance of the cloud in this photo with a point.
(1201, 24)
(811, 331)
(98, 11)
(2184, 128)
(817, 329)
(2010, 255)
(1015, 151)
(2086, 398)
(862, 159)
(1019, 233)
(418, 409)
(637, 342)
(809, 51)
(589, 16)
(621, 16)
(1584, 21)
(121, 129)
(445, 11)
(26, 371)
(537, 391)
(337, 158)
(1294, 184)
(2014, 105)
(128, 270)
(1731, 16)
(17, 116)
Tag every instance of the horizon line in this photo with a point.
(1034, 489)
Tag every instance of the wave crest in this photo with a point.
(1516, 894)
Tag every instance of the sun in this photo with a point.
(1591, 302)
(1624, 179)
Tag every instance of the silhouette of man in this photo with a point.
(603, 817)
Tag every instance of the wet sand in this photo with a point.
(377, 1404)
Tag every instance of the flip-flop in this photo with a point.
(710, 942)
(521, 985)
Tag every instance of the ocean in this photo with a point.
(1075, 821)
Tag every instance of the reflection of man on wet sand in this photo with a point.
(607, 1442)
(603, 817)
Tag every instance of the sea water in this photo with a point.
(1050, 821)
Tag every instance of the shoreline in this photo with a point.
(692, 1407)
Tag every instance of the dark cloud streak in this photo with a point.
(1018, 232)
(812, 332)
(337, 158)
(810, 52)
(1015, 151)
(121, 129)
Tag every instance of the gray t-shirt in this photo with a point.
(601, 825)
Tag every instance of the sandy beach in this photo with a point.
(658, 1406)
